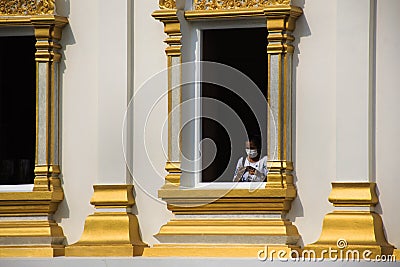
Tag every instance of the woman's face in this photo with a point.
(251, 145)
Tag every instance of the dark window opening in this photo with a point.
(246, 51)
(17, 110)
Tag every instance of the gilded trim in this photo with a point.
(353, 194)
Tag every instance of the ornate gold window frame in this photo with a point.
(218, 217)
(26, 225)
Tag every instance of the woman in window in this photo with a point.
(252, 167)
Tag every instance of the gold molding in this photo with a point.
(26, 7)
(353, 194)
(224, 201)
(109, 233)
(286, 14)
(112, 196)
(237, 4)
(360, 229)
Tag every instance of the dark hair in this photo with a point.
(255, 139)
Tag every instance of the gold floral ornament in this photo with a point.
(167, 4)
(26, 7)
(235, 4)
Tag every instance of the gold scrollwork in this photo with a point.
(26, 7)
(167, 4)
(235, 4)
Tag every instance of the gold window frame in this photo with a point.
(27, 228)
(224, 216)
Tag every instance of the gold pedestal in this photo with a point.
(26, 230)
(351, 230)
(221, 223)
(109, 233)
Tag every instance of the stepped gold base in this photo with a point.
(355, 230)
(25, 227)
(229, 231)
(109, 234)
(218, 250)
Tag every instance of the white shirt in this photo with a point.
(260, 166)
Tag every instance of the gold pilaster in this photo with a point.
(168, 16)
(281, 22)
(26, 226)
(356, 226)
(48, 32)
(112, 230)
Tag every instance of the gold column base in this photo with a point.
(109, 234)
(352, 230)
(230, 223)
(223, 238)
(229, 231)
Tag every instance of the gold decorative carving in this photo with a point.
(167, 4)
(26, 7)
(236, 4)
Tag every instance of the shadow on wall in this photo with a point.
(302, 30)
(63, 9)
